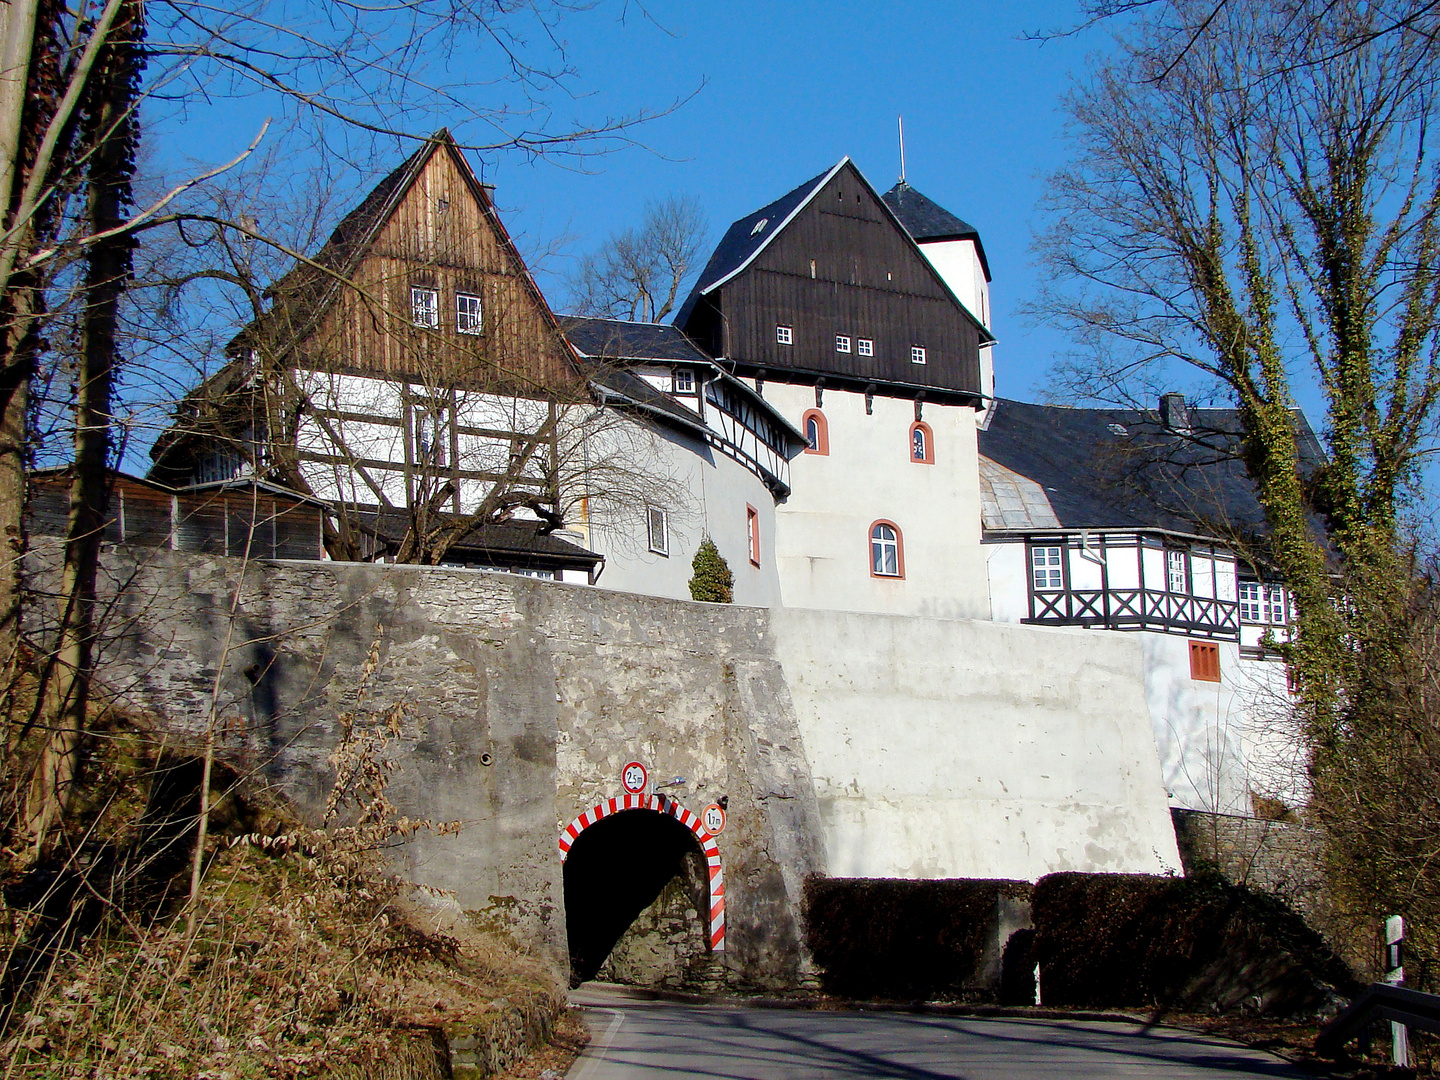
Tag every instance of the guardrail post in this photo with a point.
(1395, 976)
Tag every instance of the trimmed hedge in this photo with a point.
(908, 940)
(1198, 944)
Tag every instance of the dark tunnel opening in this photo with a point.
(615, 870)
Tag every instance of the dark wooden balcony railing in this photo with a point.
(1137, 609)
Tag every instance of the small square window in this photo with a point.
(917, 354)
(1204, 661)
(1045, 569)
(425, 307)
(1250, 601)
(842, 343)
(683, 381)
(784, 336)
(865, 347)
(658, 526)
(467, 313)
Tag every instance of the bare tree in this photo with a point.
(1254, 205)
(70, 88)
(637, 273)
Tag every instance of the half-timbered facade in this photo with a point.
(1091, 521)
(411, 376)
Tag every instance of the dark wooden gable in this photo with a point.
(430, 225)
(844, 266)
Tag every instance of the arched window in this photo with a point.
(817, 432)
(887, 550)
(922, 443)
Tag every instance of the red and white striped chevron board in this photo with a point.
(663, 805)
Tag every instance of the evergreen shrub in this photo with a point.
(712, 580)
(1195, 944)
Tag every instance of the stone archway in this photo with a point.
(618, 857)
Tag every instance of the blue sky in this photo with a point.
(785, 90)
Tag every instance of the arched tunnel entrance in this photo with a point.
(649, 870)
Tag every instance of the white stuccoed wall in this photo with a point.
(950, 748)
(823, 528)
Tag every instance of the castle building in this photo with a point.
(823, 409)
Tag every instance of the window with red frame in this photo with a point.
(922, 443)
(752, 532)
(817, 432)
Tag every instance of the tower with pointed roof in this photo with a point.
(825, 302)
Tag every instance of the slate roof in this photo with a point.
(926, 220)
(629, 389)
(744, 239)
(617, 339)
(1121, 468)
(520, 542)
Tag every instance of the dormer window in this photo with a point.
(425, 306)
(865, 347)
(760, 226)
(683, 381)
(784, 335)
(917, 354)
(842, 343)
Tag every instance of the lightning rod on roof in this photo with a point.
(901, 120)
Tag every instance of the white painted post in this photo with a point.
(1395, 976)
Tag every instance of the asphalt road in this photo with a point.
(640, 1040)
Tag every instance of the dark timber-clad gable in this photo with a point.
(841, 266)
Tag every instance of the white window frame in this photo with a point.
(1177, 569)
(884, 550)
(1277, 605)
(1047, 570)
(431, 426)
(918, 354)
(864, 346)
(468, 321)
(425, 306)
(842, 343)
(1252, 601)
(682, 381)
(784, 335)
(657, 528)
(812, 433)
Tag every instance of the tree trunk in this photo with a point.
(111, 130)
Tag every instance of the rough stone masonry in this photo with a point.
(864, 745)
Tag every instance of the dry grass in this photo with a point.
(299, 956)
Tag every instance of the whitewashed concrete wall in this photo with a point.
(823, 527)
(948, 748)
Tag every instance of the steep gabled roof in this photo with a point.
(1122, 468)
(616, 339)
(749, 236)
(753, 233)
(926, 220)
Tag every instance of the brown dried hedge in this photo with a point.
(906, 940)
(1195, 944)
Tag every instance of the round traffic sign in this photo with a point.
(713, 818)
(634, 777)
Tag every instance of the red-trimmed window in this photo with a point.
(1205, 661)
(817, 432)
(922, 443)
(887, 550)
(752, 532)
